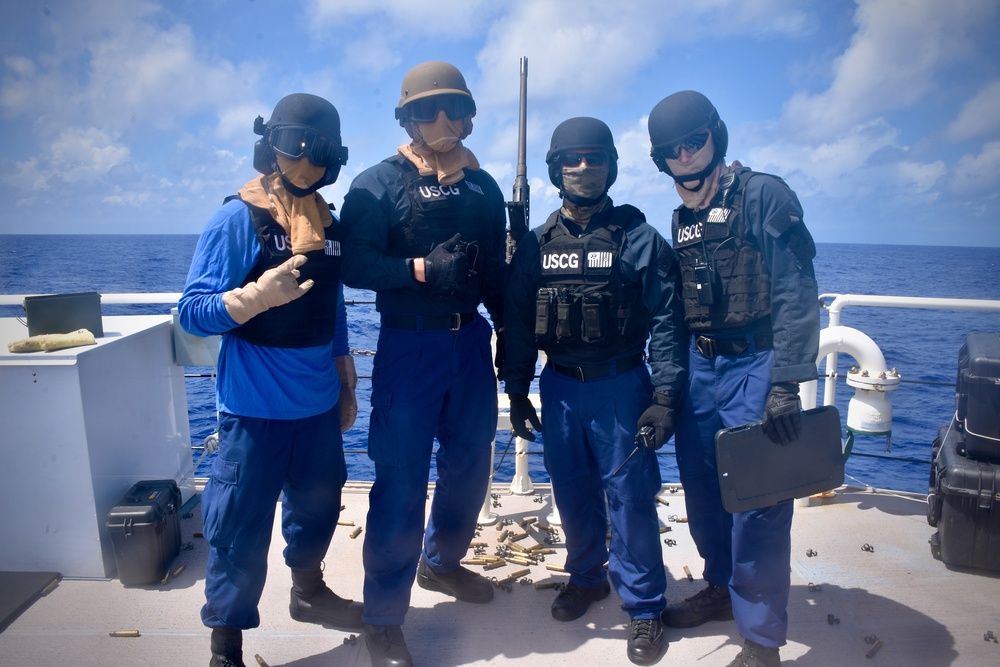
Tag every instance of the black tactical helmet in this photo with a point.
(679, 115)
(576, 133)
(301, 125)
(434, 79)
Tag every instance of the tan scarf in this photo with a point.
(302, 218)
(437, 150)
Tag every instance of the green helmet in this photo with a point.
(438, 80)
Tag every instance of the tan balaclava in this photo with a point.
(302, 218)
(437, 148)
(587, 183)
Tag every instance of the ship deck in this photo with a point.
(861, 569)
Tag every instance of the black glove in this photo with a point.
(446, 267)
(782, 422)
(661, 415)
(500, 357)
(522, 412)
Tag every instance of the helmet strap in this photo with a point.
(699, 176)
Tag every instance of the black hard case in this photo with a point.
(963, 504)
(64, 313)
(755, 472)
(978, 395)
(145, 531)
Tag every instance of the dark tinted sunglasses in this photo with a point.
(297, 142)
(425, 110)
(573, 159)
(691, 143)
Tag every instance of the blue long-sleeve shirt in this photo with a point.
(254, 381)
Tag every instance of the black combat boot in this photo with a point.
(573, 601)
(755, 655)
(386, 646)
(227, 648)
(645, 640)
(460, 583)
(313, 602)
(712, 603)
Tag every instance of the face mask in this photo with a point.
(301, 173)
(585, 182)
(443, 134)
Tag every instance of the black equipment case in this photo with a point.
(145, 531)
(978, 395)
(963, 504)
(64, 313)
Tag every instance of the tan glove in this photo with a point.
(348, 400)
(275, 287)
(50, 342)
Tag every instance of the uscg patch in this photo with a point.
(719, 214)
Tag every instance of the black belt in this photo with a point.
(595, 371)
(713, 347)
(454, 321)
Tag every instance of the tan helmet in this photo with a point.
(432, 78)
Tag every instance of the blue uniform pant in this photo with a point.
(748, 551)
(425, 384)
(258, 460)
(589, 430)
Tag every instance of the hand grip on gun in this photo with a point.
(446, 267)
(275, 287)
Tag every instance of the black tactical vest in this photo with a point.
(726, 283)
(582, 307)
(437, 213)
(309, 320)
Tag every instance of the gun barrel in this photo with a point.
(522, 121)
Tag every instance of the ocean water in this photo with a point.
(922, 344)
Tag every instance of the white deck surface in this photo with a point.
(924, 612)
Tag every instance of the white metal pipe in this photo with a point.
(841, 301)
(856, 343)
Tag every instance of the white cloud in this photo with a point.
(898, 48)
(979, 116)
(84, 155)
(977, 174)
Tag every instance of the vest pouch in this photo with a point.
(545, 314)
(567, 320)
(595, 317)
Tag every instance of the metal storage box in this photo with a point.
(64, 313)
(978, 395)
(964, 506)
(145, 531)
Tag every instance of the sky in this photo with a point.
(136, 116)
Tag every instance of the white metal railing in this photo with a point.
(840, 301)
(133, 298)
